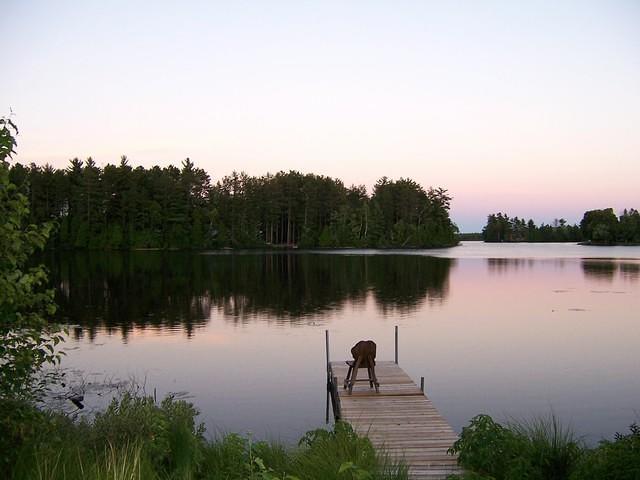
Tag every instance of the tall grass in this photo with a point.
(134, 438)
(552, 448)
(71, 462)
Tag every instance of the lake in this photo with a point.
(512, 330)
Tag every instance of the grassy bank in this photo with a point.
(137, 439)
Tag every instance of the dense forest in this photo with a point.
(121, 207)
(597, 227)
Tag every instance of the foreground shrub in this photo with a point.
(539, 450)
(19, 422)
(322, 455)
(542, 449)
(341, 453)
(167, 434)
(613, 460)
(487, 449)
(133, 438)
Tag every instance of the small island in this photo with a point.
(597, 227)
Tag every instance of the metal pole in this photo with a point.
(396, 344)
(422, 384)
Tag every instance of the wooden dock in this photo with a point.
(400, 419)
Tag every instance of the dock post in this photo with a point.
(396, 344)
(422, 384)
(326, 344)
(337, 410)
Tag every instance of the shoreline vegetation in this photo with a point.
(543, 449)
(137, 438)
(597, 228)
(122, 207)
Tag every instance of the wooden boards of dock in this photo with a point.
(400, 420)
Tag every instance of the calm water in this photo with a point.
(509, 330)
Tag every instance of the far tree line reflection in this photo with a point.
(607, 269)
(178, 290)
(596, 269)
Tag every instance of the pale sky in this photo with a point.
(527, 107)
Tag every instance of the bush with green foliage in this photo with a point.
(542, 449)
(28, 340)
(613, 460)
(491, 450)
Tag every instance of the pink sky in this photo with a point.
(529, 109)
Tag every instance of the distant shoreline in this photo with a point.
(266, 248)
(589, 243)
(583, 244)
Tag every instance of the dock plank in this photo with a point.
(401, 420)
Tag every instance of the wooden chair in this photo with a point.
(364, 355)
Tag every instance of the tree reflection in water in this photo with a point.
(604, 269)
(119, 291)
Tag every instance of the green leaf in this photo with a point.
(346, 466)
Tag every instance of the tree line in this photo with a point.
(121, 207)
(597, 227)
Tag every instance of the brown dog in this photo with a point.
(365, 350)
(364, 356)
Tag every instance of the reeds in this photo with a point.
(553, 448)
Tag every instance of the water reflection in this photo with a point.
(177, 290)
(607, 269)
(630, 271)
(599, 269)
(401, 284)
(503, 265)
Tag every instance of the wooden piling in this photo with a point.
(326, 344)
(396, 345)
